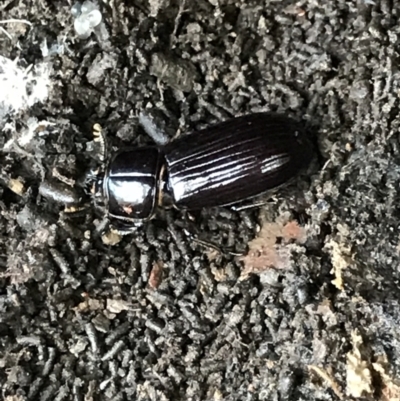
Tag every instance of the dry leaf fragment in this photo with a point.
(332, 383)
(156, 275)
(340, 257)
(358, 374)
(292, 231)
(266, 251)
(89, 304)
(17, 186)
(111, 238)
(117, 305)
(390, 389)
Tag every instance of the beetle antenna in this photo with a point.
(101, 139)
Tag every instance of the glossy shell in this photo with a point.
(235, 160)
(131, 183)
(221, 165)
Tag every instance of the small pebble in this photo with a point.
(87, 17)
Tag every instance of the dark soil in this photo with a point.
(157, 316)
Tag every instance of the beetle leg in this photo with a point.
(249, 205)
(62, 178)
(101, 228)
(207, 244)
(261, 200)
(192, 232)
(123, 231)
(109, 234)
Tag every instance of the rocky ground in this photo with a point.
(312, 311)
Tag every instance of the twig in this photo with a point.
(5, 33)
(21, 21)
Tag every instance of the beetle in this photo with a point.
(221, 165)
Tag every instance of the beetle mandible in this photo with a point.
(221, 165)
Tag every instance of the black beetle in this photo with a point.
(224, 164)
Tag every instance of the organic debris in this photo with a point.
(358, 375)
(272, 247)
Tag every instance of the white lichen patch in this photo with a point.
(21, 88)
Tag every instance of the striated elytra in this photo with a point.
(224, 164)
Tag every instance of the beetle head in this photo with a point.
(94, 186)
